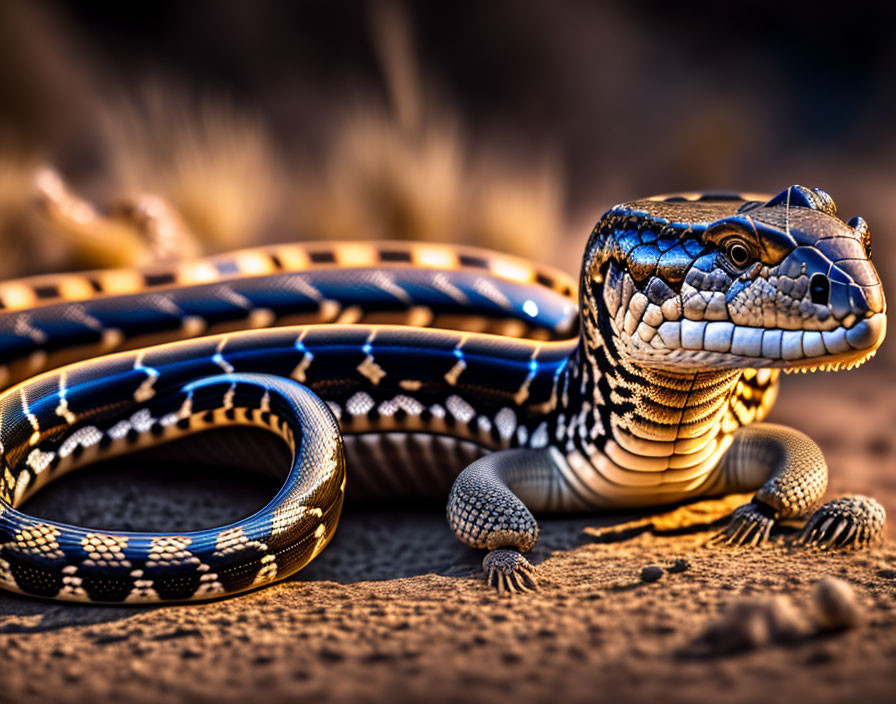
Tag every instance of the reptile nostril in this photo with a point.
(819, 289)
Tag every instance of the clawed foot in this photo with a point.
(750, 524)
(849, 523)
(509, 572)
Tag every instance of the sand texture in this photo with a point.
(395, 608)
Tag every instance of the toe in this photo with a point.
(852, 522)
(509, 572)
(750, 526)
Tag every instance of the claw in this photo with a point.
(523, 587)
(852, 522)
(749, 526)
(509, 572)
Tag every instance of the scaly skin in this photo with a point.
(683, 299)
(688, 308)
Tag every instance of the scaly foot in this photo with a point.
(750, 525)
(509, 572)
(848, 523)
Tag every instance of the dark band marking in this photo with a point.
(476, 262)
(394, 256)
(48, 291)
(162, 279)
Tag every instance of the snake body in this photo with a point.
(405, 363)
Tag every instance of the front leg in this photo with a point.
(487, 508)
(791, 475)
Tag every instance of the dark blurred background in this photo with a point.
(512, 124)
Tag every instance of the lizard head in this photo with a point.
(729, 282)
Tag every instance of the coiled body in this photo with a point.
(410, 362)
(429, 400)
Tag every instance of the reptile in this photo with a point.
(432, 370)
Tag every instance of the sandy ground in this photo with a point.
(394, 610)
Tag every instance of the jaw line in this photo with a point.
(850, 359)
(845, 360)
(834, 363)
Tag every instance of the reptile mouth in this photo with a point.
(791, 350)
(863, 338)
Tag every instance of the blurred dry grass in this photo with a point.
(381, 180)
(15, 195)
(214, 164)
(404, 170)
(408, 171)
(25, 237)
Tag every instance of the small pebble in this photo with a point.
(139, 667)
(651, 573)
(680, 565)
(836, 605)
(751, 624)
(740, 628)
(787, 624)
(63, 650)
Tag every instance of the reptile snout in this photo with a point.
(867, 333)
(855, 290)
(843, 281)
(849, 301)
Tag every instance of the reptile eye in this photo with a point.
(738, 254)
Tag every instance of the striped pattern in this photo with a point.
(414, 361)
(264, 261)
